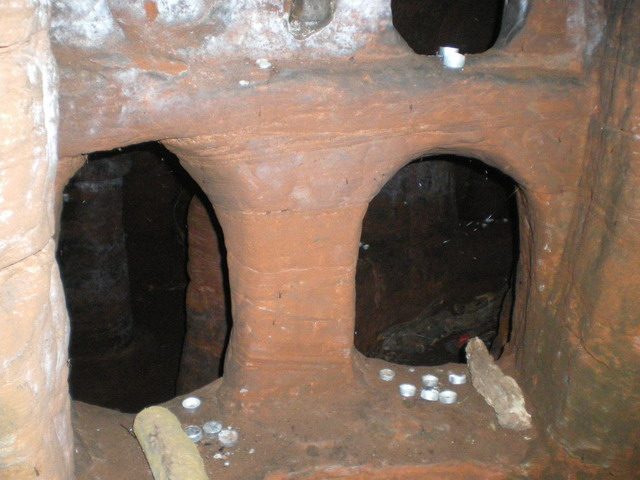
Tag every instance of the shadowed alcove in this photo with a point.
(123, 250)
(437, 262)
(470, 25)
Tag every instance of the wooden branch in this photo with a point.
(170, 453)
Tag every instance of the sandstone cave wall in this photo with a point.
(588, 333)
(527, 108)
(35, 429)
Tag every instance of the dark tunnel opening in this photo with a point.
(437, 262)
(471, 25)
(123, 250)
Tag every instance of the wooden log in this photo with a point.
(170, 453)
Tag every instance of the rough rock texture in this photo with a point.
(67, 168)
(361, 433)
(290, 191)
(291, 139)
(35, 429)
(500, 391)
(291, 159)
(207, 310)
(583, 343)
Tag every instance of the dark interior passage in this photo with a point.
(437, 262)
(123, 258)
(471, 25)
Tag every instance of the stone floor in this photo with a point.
(365, 432)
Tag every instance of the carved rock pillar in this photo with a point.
(93, 259)
(35, 427)
(292, 218)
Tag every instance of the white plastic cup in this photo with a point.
(429, 380)
(430, 394)
(407, 390)
(386, 374)
(448, 397)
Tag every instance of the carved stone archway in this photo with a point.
(290, 137)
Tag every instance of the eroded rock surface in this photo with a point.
(499, 390)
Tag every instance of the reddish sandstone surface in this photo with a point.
(290, 152)
(365, 432)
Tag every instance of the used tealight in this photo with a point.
(429, 381)
(386, 374)
(407, 390)
(194, 433)
(429, 394)
(448, 397)
(191, 403)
